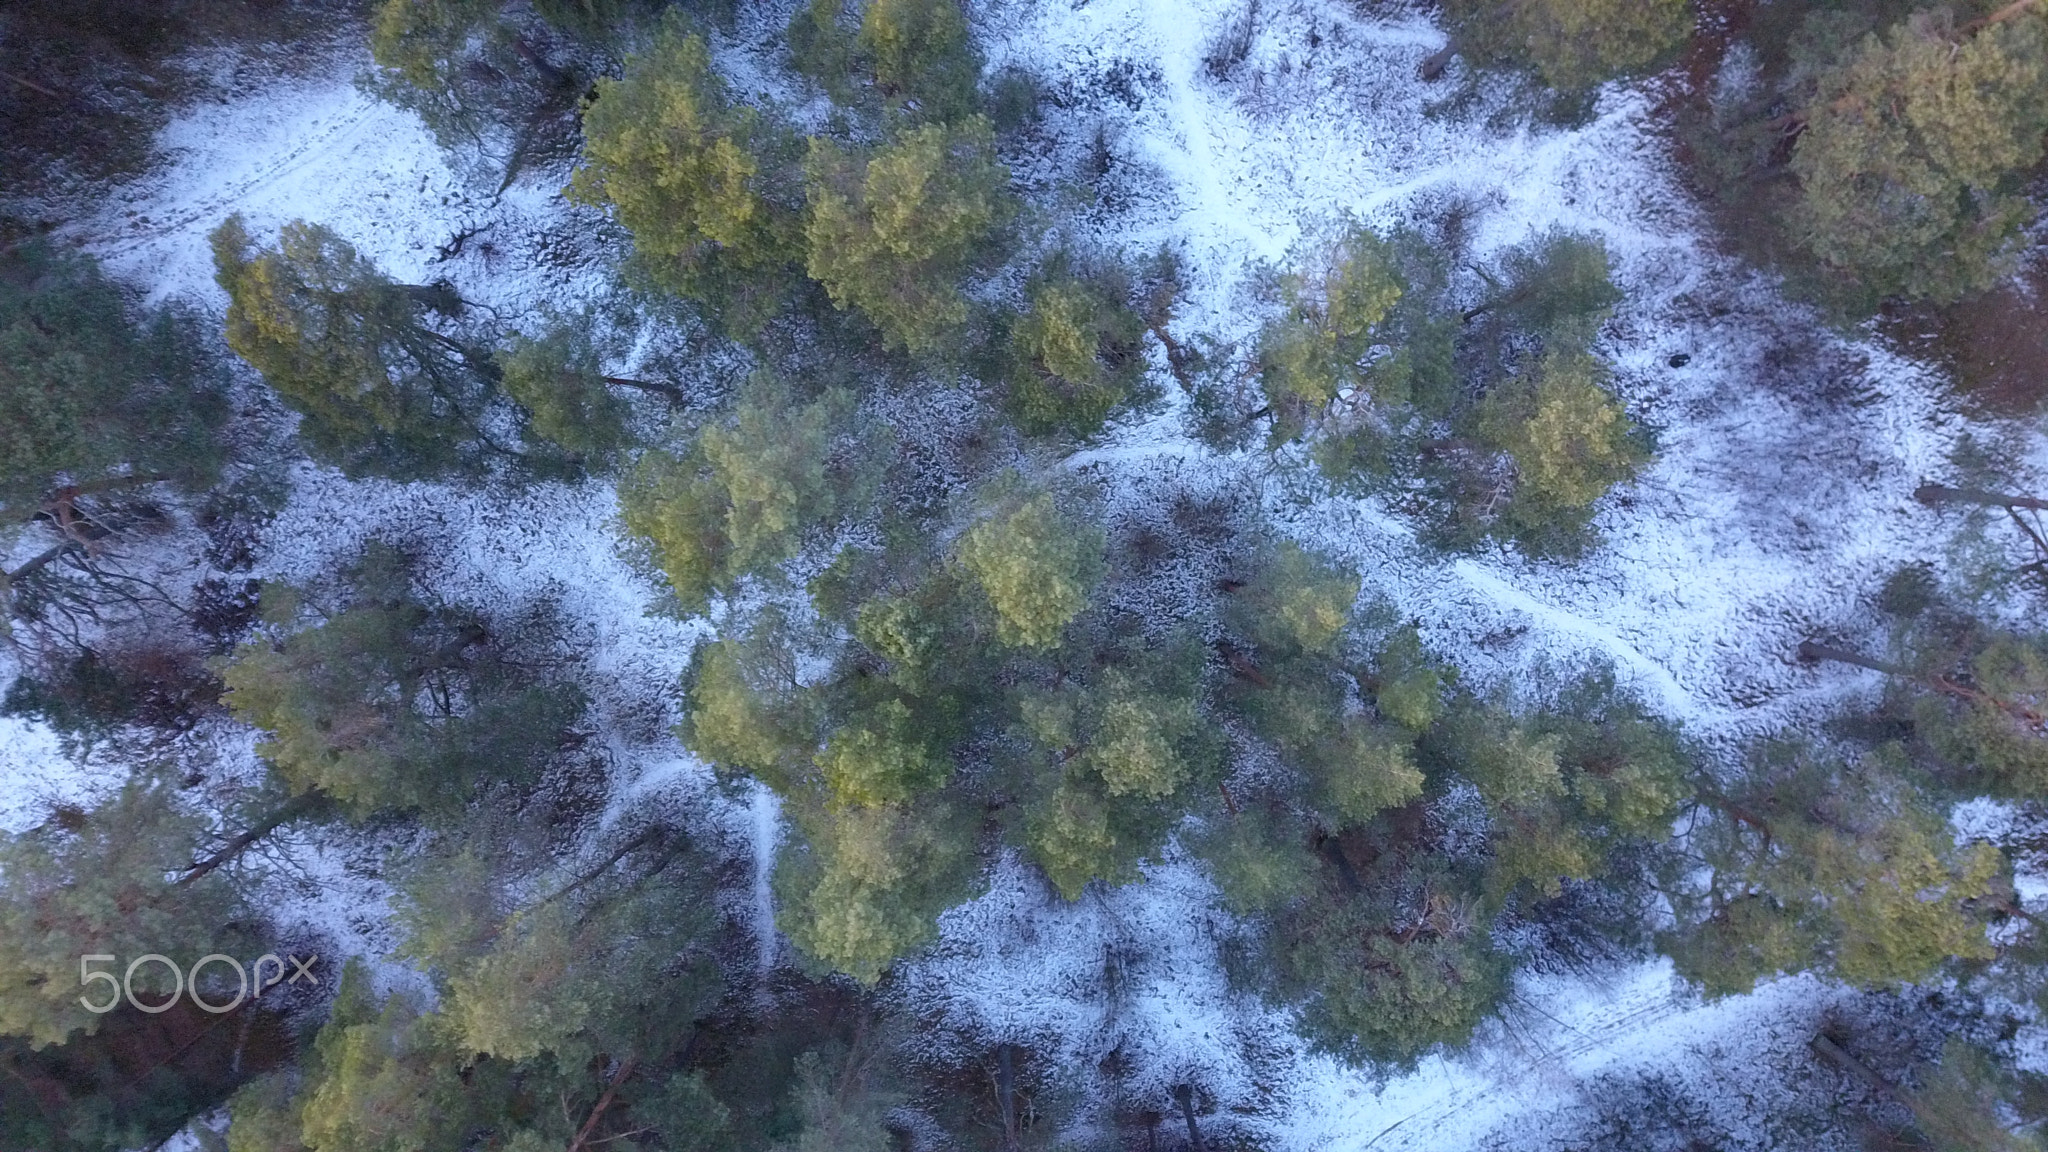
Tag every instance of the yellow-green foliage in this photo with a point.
(349, 348)
(1138, 737)
(100, 888)
(1848, 865)
(742, 496)
(324, 699)
(883, 758)
(704, 185)
(1568, 437)
(1744, 939)
(737, 721)
(1574, 44)
(1912, 154)
(1408, 685)
(1897, 901)
(1036, 568)
(1335, 304)
(921, 50)
(893, 232)
(877, 881)
(419, 41)
(313, 317)
(1299, 603)
(1364, 772)
(389, 1083)
(1061, 350)
(1536, 847)
(1992, 733)
(557, 380)
(1259, 858)
(1074, 839)
(532, 992)
(897, 629)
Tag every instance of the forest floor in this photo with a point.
(1779, 500)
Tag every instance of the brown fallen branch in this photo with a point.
(1932, 494)
(611, 1092)
(25, 82)
(298, 806)
(1999, 17)
(1810, 650)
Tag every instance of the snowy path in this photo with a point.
(1773, 508)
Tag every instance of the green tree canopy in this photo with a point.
(917, 55)
(95, 882)
(894, 231)
(498, 83)
(1573, 45)
(383, 389)
(1914, 148)
(708, 187)
(1035, 566)
(91, 393)
(398, 704)
(743, 494)
(1075, 354)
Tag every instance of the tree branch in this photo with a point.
(611, 1090)
(303, 803)
(1931, 494)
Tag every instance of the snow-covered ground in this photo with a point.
(1779, 499)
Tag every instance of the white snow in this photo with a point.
(1779, 499)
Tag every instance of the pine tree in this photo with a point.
(921, 54)
(872, 882)
(918, 56)
(557, 379)
(102, 882)
(383, 390)
(1573, 44)
(746, 712)
(388, 1078)
(1912, 153)
(498, 84)
(1259, 858)
(92, 395)
(743, 495)
(1074, 356)
(893, 232)
(708, 187)
(843, 1103)
(1547, 438)
(1035, 566)
(394, 704)
(1820, 864)
(1335, 306)
(1389, 970)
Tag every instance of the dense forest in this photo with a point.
(867, 385)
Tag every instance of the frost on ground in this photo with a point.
(1780, 498)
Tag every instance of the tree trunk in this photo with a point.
(303, 803)
(1185, 1097)
(611, 1090)
(1942, 494)
(1999, 17)
(1335, 852)
(1006, 1096)
(1814, 650)
(36, 563)
(680, 397)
